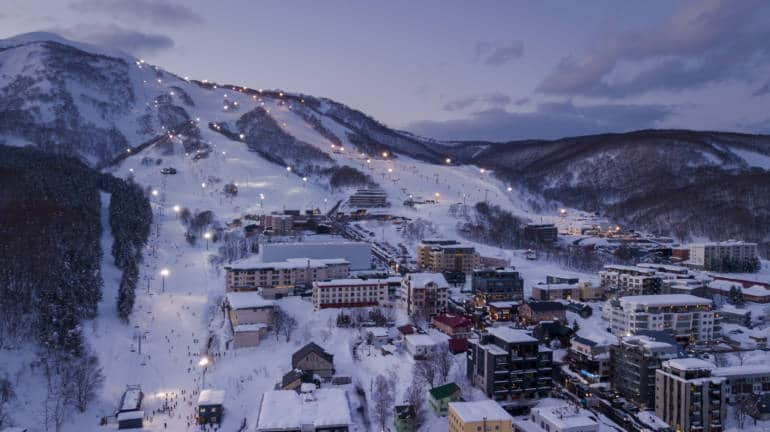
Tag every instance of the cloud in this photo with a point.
(765, 89)
(547, 121)
(498, 53)
(521, 101)
(130, 41)
(703, 43)
(162, 12)
(495, 99)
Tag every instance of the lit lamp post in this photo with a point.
(438, 195)
(163, 273)
(207, 236)
(177, 209)
(448, 161)
(204, 362)
(384, 154)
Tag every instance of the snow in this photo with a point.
(247, 300)
(254, 263)
(564, 416)
(664, 300)
(418, 340)
(211, 397)
(243, 328)
(358, 254)
(479, 411)
(511, 335)
(130, 415)
(350, 282)
(288, 410)
(747, 370)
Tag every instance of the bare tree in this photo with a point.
(415, 396)
(425, 370)
(277, 322)
(83, 378)
(743, 408)
(382, 398)
(443, 360)
(721, 360)
(741, 357)
(6, 395)
(289, 325)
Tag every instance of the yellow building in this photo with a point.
(485, 415)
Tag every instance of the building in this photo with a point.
(533, 312)
(727, 256)
(248, 307)
(552, 279)
(688, 397)
(729, 314)
(754, 293)
(565, 291)
(419, 345)
(315, 411)
(368, 197)
(440, 397)
(557, 417)
(484, 415)
(277, 224)
(502, 284)
(313, 359)
(347, 293)
(744, 382)
(404, 418)
(634, 361)
(508, 366)
(630, 280)
(358, 254)
(590, 358)
(131, 420)
(210, 406)
(691, 318)
(250, 274)
(503, 310)
(454, 326)
(424, 294)
(541, 233)
(249, 335)
(446, 256)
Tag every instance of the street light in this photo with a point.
(155, 192)
(384, 154)
(204, 362)
(207, 236)
(510, 189)
(288, 168)
(448, 160)
(163, 273)
(482, 170)
(177, 210)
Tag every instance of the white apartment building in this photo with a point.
(557, 418)
(424, 293)
(346, 293)
(688, 397)
(630, 280)
(711, 256)
(250, 274)
(690, 318)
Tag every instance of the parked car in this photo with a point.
(168, 171)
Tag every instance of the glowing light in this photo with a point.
(482, 170)
(130, 170)
(437, 194)
(385, 154)
(448, 160)
(177, 209)
(510, 189)
(368, 161)
(160, 80)
(242, 136)
(390, 170)
(165, 272)
(155, 192)
(207, 235)
(288, 168)
(203, 185)
(304, 179)
(204, 361)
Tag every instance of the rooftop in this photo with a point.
(452, 320)
(254, 263)
(444, 391)
(420, 339)
(689, 363)
(565, 416)
(479, 411)
(664, 300)
(761, 369)
(511, 335)
(422, 279)
(240, 328)
(288, 410)
(211, 397)
(247, 300)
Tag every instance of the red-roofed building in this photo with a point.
(458, 345)
(406, 330)
(456, 326)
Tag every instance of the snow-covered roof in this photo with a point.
(243, 328)
(211, 397)
(664, 300)
(420, 340)
(724, 243)
(648, 342)
(350, 282)
(288, 410)
(132, 399)
(746, 370)
(130, 415)
(378, 331)
(565, 416)
(247, 300)
(422, 279)
(690, 363)
(511, 335)
(618, 267)
(754, 290)
(555, 287)
(650, 419)
(503, 304)
(728, 308)
(479, 411)
(254, 263)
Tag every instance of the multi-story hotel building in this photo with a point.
(633, 362)
(446, 256)
(250, 274)
(425, 294)
(483, 415)
(690, 318)
(715, 256)
(345, 293)
(688, 397)
(503, 284)
(630, 280)
(509, 366)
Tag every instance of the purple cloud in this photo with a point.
(155, 11)
(130, 41)
(498, 53)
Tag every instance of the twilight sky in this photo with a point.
(457, 70)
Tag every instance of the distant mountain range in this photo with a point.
(96, 104)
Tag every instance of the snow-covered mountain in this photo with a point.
(104, 106)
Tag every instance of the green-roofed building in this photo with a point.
(439, 397)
